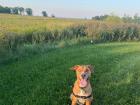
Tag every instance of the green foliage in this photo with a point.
(48, 31)
(114, 19)
(135, 19)
(4, 9)
(100, 17)
(108, 31)
(29, 11)
(44, 13)
(21, 10)
(34, 62)
(13, 40)
(130, 33)
(14, 10)
(53, 16)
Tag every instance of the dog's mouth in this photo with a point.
(83, 83)
(84, 80)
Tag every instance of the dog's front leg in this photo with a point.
(88, 102)
(73, 103)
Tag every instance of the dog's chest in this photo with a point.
(81, 102)
(82, 93)
(85, 92)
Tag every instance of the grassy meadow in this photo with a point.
(37, 52)
(19, 34)
(46, 79)
(20, 24)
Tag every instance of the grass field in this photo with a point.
(20, 24)
(46, 79)
(17, 31)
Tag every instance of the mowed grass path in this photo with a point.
(46, 79)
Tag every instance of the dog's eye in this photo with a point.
(84, 75)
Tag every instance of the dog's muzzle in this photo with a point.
(84, 80)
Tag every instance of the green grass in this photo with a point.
(46, 79)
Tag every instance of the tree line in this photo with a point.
(16, 10)
(114, 18)
(21, 11)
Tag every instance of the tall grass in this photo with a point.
(96, 31)
(19, 31)
(13, 40)
(105, 31)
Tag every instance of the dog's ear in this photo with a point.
(76, 67)
(91, 68)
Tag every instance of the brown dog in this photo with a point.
(82, 91)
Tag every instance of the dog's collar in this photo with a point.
(83, 97)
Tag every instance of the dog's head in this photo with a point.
(83, 73)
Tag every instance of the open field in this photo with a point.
(46, 79)
(41, 41)
(36, 54)
(17, 31)
(20, 24)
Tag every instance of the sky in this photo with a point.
(78, 8)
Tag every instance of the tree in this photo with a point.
(44, 14)
(53, 16)
(4, 9)
(103, 17)
(29, 11)
(114, 19)
(127, 18)
(21, 10)
(96, 18)
(136, 18)
(14, 10)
